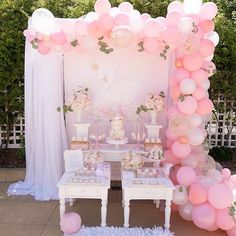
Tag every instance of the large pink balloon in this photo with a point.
(186, 176)
(188, 106)
(199, 93)
(121, 19)
(208, 11)
(181, 150)
(224, 220)
(151, 28)
(196, 136)
(170, 158)
(59, 38)
(193, 62)
(205, 106)
(102, 6)
(185, 211)
(70, 223)
(197, 194)
(204, 216)
(207, 47)
(173, 17)
(151, 45)
(171, 35)
(220, 196)
(199, 76)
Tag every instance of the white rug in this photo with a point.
(114, 231)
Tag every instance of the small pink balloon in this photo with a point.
(199, 76)
(208, 11)
(186, 176)
(193, 62)
(220, 196)
(121, 19)
(170, 158)
(173, 17)
(181, 74)
(223, 220)
(210, 67)
(205, 106)
(175, 92)
(204, 216)
(226, 173)
(197, 194)
(207, 25)
(59, 38)
(95, 29)
(171, 35)
(188, 106)
(126, 7)
(199, 93)
(151, 45)
(102, 6)
(107, 21)
(207, 47)
(151, 28)
(42, 49)
(180, 150)
(70, 223)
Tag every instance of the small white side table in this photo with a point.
(163, 191)
(83, 190)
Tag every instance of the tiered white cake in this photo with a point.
(117, 131)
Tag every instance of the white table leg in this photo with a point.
(126, 212)
(104, 212)
(157, 203)
(71, 202)
(62, 207)
(167, 214)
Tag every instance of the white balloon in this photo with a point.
(43, 21)
(188, 86)
(209, 58)
(185, 25)
(114, 11)
(206, 84)
(175, 5)
(185, 211)
(180, 195)
(196, 136)
(192, 6)
(134, 14)
(91, 16)
(136, 24)
(195, 120)
(214, 37)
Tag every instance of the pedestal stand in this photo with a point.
(153, 131)
(82, 130)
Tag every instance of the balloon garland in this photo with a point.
(204, 192)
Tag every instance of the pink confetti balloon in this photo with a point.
(151, 28)
(151, 45)
(204, 216)
(208, 11)
(126, 7)
(193, 62)
(102, 6)
(223, 220)
(199, 93)
(70, 223)
(95, 29)
(205, 106)
(188, 106)
(173, 17)
(207, 47)
(59, 38)
(188, 172)
(121, 19)
(232, 232)
(199, 76)
(220, 196)
(197, 194)
(180, 150)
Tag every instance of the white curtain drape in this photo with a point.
(45, 135)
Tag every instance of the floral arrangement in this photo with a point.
(93, 158)
(156, 153)
(80, 101)
(132, 161)
(153, 102)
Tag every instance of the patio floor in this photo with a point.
(23, 216)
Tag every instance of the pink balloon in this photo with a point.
(175, 5)
(196, 136)
(145, 17)
(204, 216)
(168, 144)
(162, 22)
(188, 106)
(102, 6)
(207, 47)
(173, 17)
(199, 93)
(232, 179)
(70, 223)
(210, 67)
(151, 45)
(186, 176)
(172, 112)
(208, 11)
(121, 19)
(213, 228)
(185, 211)
(171, 35)
(180, 150)
(170, 158)
(226, 173)
(193, 62)
(107, 21)
(199, 76)
(59, 38)
(175, 92)
(207, 25)
(205, 106)
(181, 74)
(224, 220)
(173, 174)
(151, 28)
(197, 194)
(232, 232)
(95, 29)
(170, 135)
(220, 196)
(42, 49)
(126, 7)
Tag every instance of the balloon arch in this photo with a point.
(204, 192)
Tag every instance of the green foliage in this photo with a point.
(221, 153)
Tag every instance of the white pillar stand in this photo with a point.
(82, 130)
(153, 131)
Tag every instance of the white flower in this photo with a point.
(155, 102)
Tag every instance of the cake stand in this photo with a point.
(117, 143)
